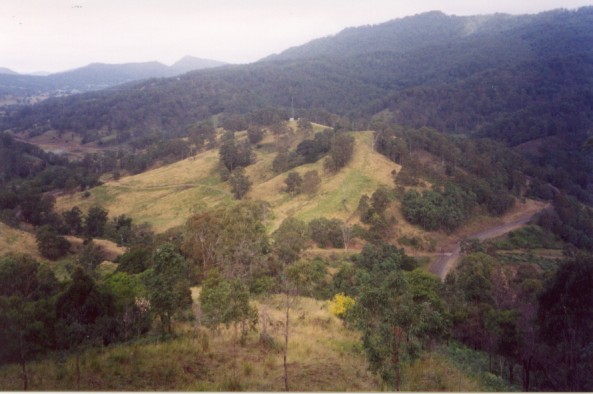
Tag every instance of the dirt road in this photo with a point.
(449, 259)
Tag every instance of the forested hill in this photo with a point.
(382, 61)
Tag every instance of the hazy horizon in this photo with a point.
(59, 35)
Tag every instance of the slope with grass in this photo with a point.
(323, 356)
(17, 241)
(165, 197)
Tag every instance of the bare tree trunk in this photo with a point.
(23, 363)
(235, 350)
(78, 370)
(286, 338)
(24, 375)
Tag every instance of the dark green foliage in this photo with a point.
(396, 313)
(225, 302)
(310, 278)
(134, 261)
(167, 284)
(290, 239)
(73, 221)
(120, 230)
(95, 220)
(342, 147)
(294, 183)
(327, 232)
(85, 313)
(438, 209)
(286, 160)
(364, 209)
(566, 317)
(571, 221)
(384, 257)
(240, 183)
(255, 134)
(50, 244)
(380, 200)
(91, 256)
(235, 154)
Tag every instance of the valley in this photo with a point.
(346, 215)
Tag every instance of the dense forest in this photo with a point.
(503, 116)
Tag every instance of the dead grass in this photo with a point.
(323, 356)
(17, 241)
(164, 197)
(109, 248)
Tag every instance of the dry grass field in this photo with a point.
(17, 241)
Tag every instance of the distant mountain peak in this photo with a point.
(4, 70)
(190, 63)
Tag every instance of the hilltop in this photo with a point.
(166, 196)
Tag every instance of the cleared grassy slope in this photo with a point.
(167, 196)
(17, 241)
(323, 356)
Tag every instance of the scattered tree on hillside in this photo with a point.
(311, 182)
(235, 154)
(289, 241)
(84, 315)
(73, 221)
(294, 183)
(226, 302)
(340, 152)
(255, 134)
(167, 284)
(50, 244)
(94, 224)
(240, 183)
(26, 323)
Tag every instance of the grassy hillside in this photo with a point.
(17, 241)
(323, 355)
(167, 196)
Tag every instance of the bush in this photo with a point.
(340, 305)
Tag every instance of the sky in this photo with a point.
(57, 35)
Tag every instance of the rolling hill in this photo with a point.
(165, 197)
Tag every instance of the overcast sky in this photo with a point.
(56, 35)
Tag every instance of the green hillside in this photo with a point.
(165, 197)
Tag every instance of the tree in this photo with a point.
(73, 221)
(394, 311)
(311, 182)
(235, 154)
(294, 183)
(289, 241)
(232, 239)
(340, 152)
(226, 302)
(255, 134)
(240, 183)
(26, 318)
(91, 256)
(380, 200)
(167, 284)
(565, 317)
(85, 315)
(95, 221)
(50, 244)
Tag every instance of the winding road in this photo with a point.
(448, 260)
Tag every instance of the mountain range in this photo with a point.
(23, 88)
(525, 80)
